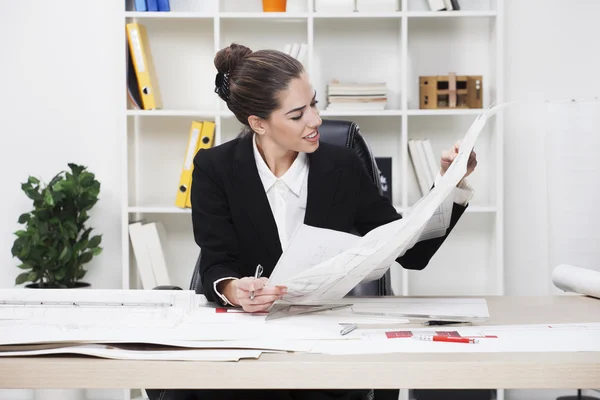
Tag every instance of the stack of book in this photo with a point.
(356, 96)
(151, 5)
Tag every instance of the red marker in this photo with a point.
(438, 338)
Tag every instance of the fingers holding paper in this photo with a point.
(253, 295)
(448, 157)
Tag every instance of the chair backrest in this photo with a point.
(342, 133)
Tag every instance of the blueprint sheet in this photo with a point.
(322, 264)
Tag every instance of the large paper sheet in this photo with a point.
(125, 352)
(322, 264)
(491, 339)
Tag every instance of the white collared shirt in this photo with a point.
(287, 198)
(287, 195)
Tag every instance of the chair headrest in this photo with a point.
(340, 133)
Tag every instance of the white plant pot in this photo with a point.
(59, 394)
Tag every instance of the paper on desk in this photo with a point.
(330, 264)
(459, 309)
(125, 307)
(492, 339)
(124, 352)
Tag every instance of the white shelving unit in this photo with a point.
(396, 43)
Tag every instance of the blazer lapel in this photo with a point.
(323, 180)
(250, 189)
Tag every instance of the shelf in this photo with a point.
(470, 209)
(158, 210)
(323, 113)
(361, 113)
(175, 210)
(459, 111)
(467, 41)
(173, 113)
(262, 15)
(349, 15)
(168, 15)
(449, 14)
(301, 15)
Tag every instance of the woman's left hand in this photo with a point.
(449, 155)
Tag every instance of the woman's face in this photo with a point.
(294, 126)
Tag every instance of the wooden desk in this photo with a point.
(475, 370)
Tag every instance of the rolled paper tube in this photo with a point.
(570, 278)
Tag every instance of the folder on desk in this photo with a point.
(201, 136)
(143, 63)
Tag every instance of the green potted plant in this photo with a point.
(55, 243)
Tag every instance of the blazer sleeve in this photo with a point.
(213, 227)
(374, 210)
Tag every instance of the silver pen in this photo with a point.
(257, 274)
(348, 329)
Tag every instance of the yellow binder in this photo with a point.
(186, 171)
(206, 141)
(143, 63)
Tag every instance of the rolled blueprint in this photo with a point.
(574, 279)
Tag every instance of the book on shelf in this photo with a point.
(296, 50)
(443, 5)
(356, 96)
(151, 5)
(424, 162)
(146, 241)
(141, 64)
(384, 165)
(201, 136)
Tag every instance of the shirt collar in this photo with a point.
(293, 177)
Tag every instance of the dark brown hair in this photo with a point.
(250, 82)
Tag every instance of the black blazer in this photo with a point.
(234, 226)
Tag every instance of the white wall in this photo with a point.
(548, 56)
(63, 96)
(62, 100)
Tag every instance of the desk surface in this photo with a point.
(431, 370)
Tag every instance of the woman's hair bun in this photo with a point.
(229, 58)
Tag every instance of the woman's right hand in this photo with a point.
(239, 292)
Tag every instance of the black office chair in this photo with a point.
(342, 133)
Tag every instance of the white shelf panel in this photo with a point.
(361, 113)
(386, 15)
(176, 210)
(449, 14)
(158, 210)
(300, 15)
(168, 15)
(470, 209)
(173, 113)
(323, 113)
(262, 15)
(461, 111)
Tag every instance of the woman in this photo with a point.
(248, 195)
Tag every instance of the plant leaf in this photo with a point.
(24, 218)
(64, 254)
(48, 199)
(22, 278)
(86, 257)
(25, 266)
(94, 241)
